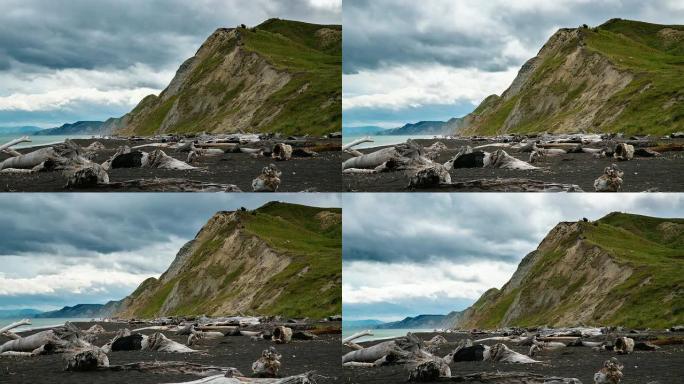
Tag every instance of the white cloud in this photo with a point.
(374, 282)
(415, 86)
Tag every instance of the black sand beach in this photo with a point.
(315, 174)
(664, 366)
(640, 174)
(321, 355)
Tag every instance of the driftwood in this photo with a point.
(357, 335)
(107, 165)
(169, 185)
(501, 353)
(155, 342)
(268, 365)
(196, 336)
(268, 181)
(23, 139)
(430, 176)
(86, 360)
(429, 370)
(543, 153)
(507, 378)
(623, 152)
(501, 159)
(174, 367)
(159, 159)
(510, 185)
(624, 345)
(611, 373)
(16, 324)
(610, 181)
(85, 176)
(466, 157)
(306, 378)
(398, 351)
(356, 142)
(30, 160)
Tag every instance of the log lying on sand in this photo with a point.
(401, 350)
(30, 160)
(429, 177)
(623, 152)
(86, 360)
(159, 159)
(282, 335)
(281, 152)
(268, 365)
(174, 367)
(306, 378)
(199, 335)
(510, 185)
(139, 342)
(624, 345)
(16, 324)
(501, 159)
(357, 335)
(501, 353)
(429, 370)
(168, 185)
(507, 378)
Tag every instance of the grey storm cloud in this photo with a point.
(84, 225)
(464, 33)
(462, 228)
(117, 34)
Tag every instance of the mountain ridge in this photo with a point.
(622, 76)
(619, 270)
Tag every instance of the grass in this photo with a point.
(292, 231)
(653, 248)
(310, 103)
(650, 104)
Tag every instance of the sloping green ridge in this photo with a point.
(289, 229)
(650, 104)
(653, 296)
(311, 103)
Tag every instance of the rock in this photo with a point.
(624, 152)
(431, 176)
(268, 181)
(430, 370)
(610, 181)
(281, 152)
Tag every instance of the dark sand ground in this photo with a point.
(321, 355)
(664, 366)
(317, 174)
(641, 174)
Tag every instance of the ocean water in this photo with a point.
(380, 334)
(41, 323)
(382, 140)
(39, 140)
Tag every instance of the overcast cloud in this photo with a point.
(63, 249)
(89, 60)
(410, 254)
(443, 57)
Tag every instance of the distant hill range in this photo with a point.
(424, 322)
(361, 323)
(622, 76)
(621, 270)
(95, 128)
(83, 311)
(280, 76)
(361, 131)
(22, 313)
(280, 259)
(427, 128)
(26, 130)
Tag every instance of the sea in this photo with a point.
(381, 334)
(42, 323)
(37, 141)
(383, 140)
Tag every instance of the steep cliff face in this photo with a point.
(620, 270)
(281, 76)
(279, 259)
(623, 76)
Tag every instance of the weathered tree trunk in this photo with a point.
(281, 152)
(159, 342)
(31, 343)
(430, 176)
(501, 159)
(429, 370)
(507, 378)
(356, 142)
(23, 139)
(86, 360)
(370, 354)
(30, 159)
(282, 334)
(510, 185)
(268, 181)
(174, 367)
(501, 353)
(610, 181)
(168, 185)
(372, 159)
(15, 325)
(624, 152)
(159, 159)
(357, 335)
(306, 378)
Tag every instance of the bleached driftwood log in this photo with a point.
(268, 365)
(268, 181)
(501, 159)
(306, 378)
(23, 139)
(159, 159)
(87, 175)
(356, 142)
(16, 324)
(510, 185)
(86, 360)
(139, 342)
(507, 378)
(199, 335)
(610, 181)
(371, 160)
(501, 353)
(430, 176)
(398, 351)
(543, 153)
(429, 370)
(168, 185)
(174, 367)
(624, 345)
(623, 152)
(357, 335)
(30, 159)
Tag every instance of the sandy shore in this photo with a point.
(641, 174)
(321, 355)
(319, 174)
(664, 366)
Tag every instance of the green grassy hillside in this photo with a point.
(623, 76)
(294, 86)
(620, 270)
(280, 259)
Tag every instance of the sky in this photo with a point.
(407, 61)
(411, 254)
(90, 60)
(67, 249)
